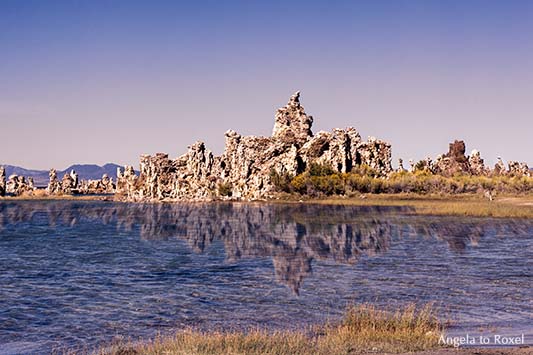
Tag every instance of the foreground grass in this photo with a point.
(364, 329)
(472, 205)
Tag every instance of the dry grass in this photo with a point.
(42, 195)
(470, 205)
(364, 329)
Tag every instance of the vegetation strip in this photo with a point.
(364, 329)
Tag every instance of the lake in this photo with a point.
(78, 274)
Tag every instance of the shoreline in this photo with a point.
(461, 205)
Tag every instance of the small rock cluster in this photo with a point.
(105, 185)
(18, 185)
(455, 161)
(54, 186)
(244, 170)
(15, 185)
(67, 186)
(518, 169)
(71, 184)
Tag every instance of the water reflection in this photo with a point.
(292, 235)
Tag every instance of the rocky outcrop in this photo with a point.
(69, 183)
(54, 186)
(292, 125)
(476, 164)
(105, 185)
(518, 169)
(400, 169)
(245, 168)
(126, 183)
(19, 185)
(455, 161)
(2, 181)
(499, 167)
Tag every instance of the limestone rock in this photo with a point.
(477, 166)
(107, 184)
(519, 169)
(375, 153)
(104, 185)
(126, 183)
(455, 161)
(400, 166)
(31, 184)
(244, 170)
(18, 185)
(292, 124)
(54, 186)
(499, 168)
(67, 184)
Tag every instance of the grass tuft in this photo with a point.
(363, 329)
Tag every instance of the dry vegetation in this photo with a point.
(320, 180)
(426, 193)
(41, 194)
(470, 205)
(364, 329)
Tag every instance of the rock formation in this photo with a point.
(455, 161)
(518, 169)
(292, 124)
(452, 162)
(18, 185)
(2, 181)
(54, 186)
(126, 183)
(245, 168)
(499, 168)
(400, 169)
(105, 185)
(476, 164)
(68, 184)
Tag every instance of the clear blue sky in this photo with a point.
(105, 81)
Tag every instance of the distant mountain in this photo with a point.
(85, 172)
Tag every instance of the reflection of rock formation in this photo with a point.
(292, 235)
(246, 166)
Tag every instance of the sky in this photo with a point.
(106, 81)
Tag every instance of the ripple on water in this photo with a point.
(76, 274)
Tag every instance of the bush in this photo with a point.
(281, 182)
(319, 181)
(316, 169)
(225, 189)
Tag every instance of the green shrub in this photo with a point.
(315, 183)
(281, 182)
(316, 169)
(225, 189)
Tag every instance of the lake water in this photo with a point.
(76, 274)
